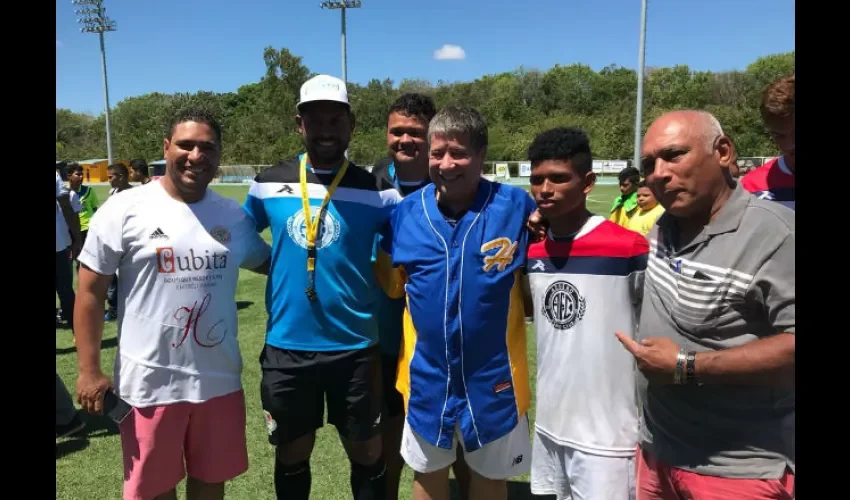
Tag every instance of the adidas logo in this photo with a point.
(158, 234)
(285, 189)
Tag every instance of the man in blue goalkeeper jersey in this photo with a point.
(321, 341)
(458, 247)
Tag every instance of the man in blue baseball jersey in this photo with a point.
(458, 247)
(324, 214)
(406, 169)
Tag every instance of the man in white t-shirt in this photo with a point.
(178, 247)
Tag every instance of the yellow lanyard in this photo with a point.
(312, 223)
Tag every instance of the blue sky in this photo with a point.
(216, 45)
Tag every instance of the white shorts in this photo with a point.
(570, 474)
(505, 457)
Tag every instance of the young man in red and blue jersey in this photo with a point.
(775, 180)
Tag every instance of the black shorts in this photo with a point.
(393, 400)
(295, 383)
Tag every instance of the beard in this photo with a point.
(323, 154)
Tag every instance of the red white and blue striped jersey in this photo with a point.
(585, 288)
(772, 181)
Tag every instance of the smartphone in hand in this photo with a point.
(115, 408)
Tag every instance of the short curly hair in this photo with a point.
(414, 105)
(194, 114)
(565, 144)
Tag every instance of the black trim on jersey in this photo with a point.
(382, 173)
(288, 172)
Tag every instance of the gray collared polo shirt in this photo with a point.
(733, 284)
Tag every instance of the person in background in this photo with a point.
(625, 205)
(68, 244)
(775, 180)
(648, 210)
(87, 198)
(119, 178)
(139, 171)
(68, 238)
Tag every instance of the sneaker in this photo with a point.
(110, 315)
(73, 427)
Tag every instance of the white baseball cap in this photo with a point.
(323, 88)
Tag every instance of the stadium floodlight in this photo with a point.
(342, 5)
(94, 20)
(639, 103)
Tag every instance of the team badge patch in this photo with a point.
(220, 234)
(271, 425)
(563, 306)
(329, 228)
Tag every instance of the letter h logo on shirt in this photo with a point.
(503, 257)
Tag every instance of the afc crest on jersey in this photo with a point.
(329, 228)
(563, 306)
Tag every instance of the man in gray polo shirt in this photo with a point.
(716, 345)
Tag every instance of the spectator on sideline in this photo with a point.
(87, 198)
(625, 206)
(119, 179)
(405, 169)
(321, 296)
(648, 210)
(716, 345)
(463, 369)
(178, 246)
(776, 180)
(139, 171)
(118, 176)
(586, 278)
(68, 421)
(68, 243)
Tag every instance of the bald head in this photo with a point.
(701, 125)
(685, 159)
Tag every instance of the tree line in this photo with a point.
(259, 129)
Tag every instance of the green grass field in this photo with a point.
(89, 467)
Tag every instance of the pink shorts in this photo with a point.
(162, 443)
(658, 481)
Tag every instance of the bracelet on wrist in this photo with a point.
(679, 374)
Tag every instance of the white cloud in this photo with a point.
(59, 43)
(450, 53)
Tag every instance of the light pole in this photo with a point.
(639, 104)
(94, 20)
(347, 4)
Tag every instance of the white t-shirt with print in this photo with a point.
(179, 265)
